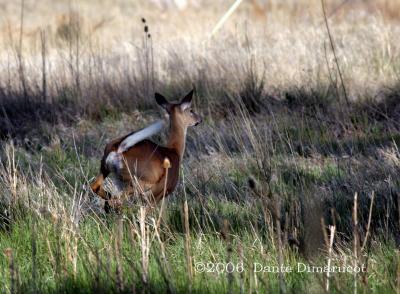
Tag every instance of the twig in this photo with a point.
(225, 17)
(118, 250)
(334, 52)
(332, 236)
(356, 238)
(167, 271)
(282, 288)
(369, 221)
(44, 78)
(19, 52)
(144, 238)
(187, 235)
(166, 166)
(187, 243)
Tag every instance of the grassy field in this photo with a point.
(295, 166)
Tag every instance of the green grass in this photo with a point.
(277, 161)
(60, 242)
(48, 268)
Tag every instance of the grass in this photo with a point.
(96, 263)
(275, 164)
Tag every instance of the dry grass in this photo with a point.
(280, 150)
(79, 59)
(104, 45)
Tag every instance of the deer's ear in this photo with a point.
(187, 100)
(162, 101)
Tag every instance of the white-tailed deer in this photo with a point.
(138, 164)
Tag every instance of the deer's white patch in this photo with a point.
(114, 162)
(145, 133)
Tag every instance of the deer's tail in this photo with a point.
(136, 137)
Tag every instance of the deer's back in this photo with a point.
(143, 161)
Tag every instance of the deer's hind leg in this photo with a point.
(98, 187)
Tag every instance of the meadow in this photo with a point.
(296, 161)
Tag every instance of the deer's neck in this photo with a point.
(177, 137)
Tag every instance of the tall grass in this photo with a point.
(281, 171)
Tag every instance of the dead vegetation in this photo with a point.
(294, 163)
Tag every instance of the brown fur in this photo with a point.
(143, 166)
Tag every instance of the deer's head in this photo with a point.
(181, 112)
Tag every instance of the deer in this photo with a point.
(136, 163)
